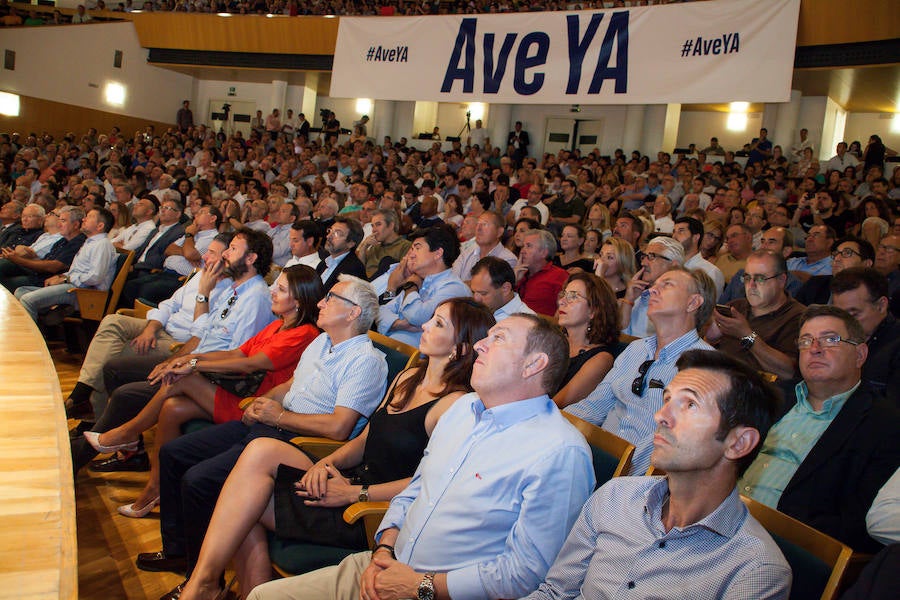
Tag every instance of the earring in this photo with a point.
(453, 355)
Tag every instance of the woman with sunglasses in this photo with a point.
(588, 312)
(212, 384)
(275, 486)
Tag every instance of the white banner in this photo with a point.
(717, 51)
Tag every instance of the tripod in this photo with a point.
(467, 127)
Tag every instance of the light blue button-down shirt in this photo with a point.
(788, 443)
(512, 307)
(619, 548)
(180, 264)
(820, 267)
(613, 406)
(44, 243)
(249, 309)
(494, 497)
(176, 314)
(418, 307)
(95, 264)
(352, 374)
(281, 243)
(640, 325)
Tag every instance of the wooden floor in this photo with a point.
(108, 542)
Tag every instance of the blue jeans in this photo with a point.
(36, 299)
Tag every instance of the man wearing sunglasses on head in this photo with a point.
(679, 305)
(824, 461)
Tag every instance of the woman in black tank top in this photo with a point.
(275, 486)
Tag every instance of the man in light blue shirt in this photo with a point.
(93, 267)
(687, 535)
(680, 303)
(493, 284)
(817, 261)
(423, 280)
(487, 509)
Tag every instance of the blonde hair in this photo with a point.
(624, 257)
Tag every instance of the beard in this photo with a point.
(236, 270)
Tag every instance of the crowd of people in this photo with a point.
(733, 319)
(295, 8)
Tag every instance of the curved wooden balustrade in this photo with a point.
(38, 549)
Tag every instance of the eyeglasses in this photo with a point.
(330, 295)
(652, 256)
(637, 386)
(231, 302)
(568, 297)
(846, 253)
(757, 279)
(887, 248)
(833, 340)
(337, 232)
(169, 208)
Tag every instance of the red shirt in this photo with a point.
(539, 291)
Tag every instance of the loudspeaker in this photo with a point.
(117, 61)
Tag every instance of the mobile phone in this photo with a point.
(724, 309)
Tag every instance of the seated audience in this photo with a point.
(93, 267)
(305, 238)
(538, 280)
(825, 460)
(275, 486)
(690, 233)
(493, 284)
(422, 280)
(761, 328)
(19, 269)
(431, 542)
(862, 292)
(588, 314)
(488, 234)
(615, 265)
(817, 261)
(343, 235)
(385, 245)
(336, 386)
(680, 304)
(848, 252)
(717, 412)
(662, 255)
(571, 256)
(210, 385)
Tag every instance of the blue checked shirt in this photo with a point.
(614, 407)
(494, 497)
(788, 443)
(619, 548)
(352, 374)
(95, 264)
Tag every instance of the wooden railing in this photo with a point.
(38, 547)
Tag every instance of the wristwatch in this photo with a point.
(363, 494)
(748, 340)
(201, 299)
(425, 590)
(193, 364)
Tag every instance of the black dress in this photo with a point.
(577, 361)
(394, 447)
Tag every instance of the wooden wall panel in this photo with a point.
(56, 118)
(240, 33)
(841, 22)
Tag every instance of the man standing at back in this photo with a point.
(686, 535)
(487, 510)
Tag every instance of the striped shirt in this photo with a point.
(788, 443)
(613, 406)
(352, 374)
(619, 548)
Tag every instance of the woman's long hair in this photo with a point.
(471, 322)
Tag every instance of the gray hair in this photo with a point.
(363, 294)
(74, 212)
(673, 250)
(546, 240)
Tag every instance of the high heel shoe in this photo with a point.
(93, 438)
(129, 510)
